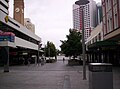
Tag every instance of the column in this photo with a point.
(5, 57)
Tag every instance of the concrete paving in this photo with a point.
(49, 76)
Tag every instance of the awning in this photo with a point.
(103, 44)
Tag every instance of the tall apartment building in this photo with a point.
(89, 17)
(76, 17)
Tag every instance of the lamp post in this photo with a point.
(81, 3)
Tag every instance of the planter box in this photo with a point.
(74, 62)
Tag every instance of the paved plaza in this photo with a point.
(49, 76)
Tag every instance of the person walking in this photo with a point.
(42, 61)
(29, 59)
(63, 59)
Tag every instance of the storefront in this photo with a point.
(104, 51)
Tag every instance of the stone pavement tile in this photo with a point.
(32, 80)
(49, 76)
(116, 78)
(77, 81)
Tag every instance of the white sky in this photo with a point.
(52, 18)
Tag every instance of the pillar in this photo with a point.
(5, 57)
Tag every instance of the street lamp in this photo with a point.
(81, 3)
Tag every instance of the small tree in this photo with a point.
(50, 50)
(58, 51)
(72, 46)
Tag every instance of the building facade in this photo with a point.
(111, 19)
(107, 50)
(28, 24)
(25, 42)
(89, 17)
(111, 29)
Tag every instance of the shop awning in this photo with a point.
(103, 44)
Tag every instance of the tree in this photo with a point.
(50, 50)
(72, 46)
(58, 51)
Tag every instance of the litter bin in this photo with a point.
(100, 76)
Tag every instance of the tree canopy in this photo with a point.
(50, 50)
(72, 46)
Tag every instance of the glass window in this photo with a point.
(104, 26)
(116, 21)
(111, 24)
(108, 26)
(114, 2)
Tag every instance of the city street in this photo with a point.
(49, 76)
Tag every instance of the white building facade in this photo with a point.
(25, 41)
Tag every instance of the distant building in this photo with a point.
(28, 24)
(89, 17)
(76, 17)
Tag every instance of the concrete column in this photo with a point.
(90, 57)
(35, 60)
(93, 57)
(99, 57)
(5, 57)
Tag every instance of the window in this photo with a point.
(99, 37)
(107, 4)
(104, 26)
(111, 24)
(116, 21)
(108, 26)
(114, 2)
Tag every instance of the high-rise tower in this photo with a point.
(89, 17)
(19, 11)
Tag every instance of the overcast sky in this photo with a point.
(52, 18)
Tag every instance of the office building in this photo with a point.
(89, 17)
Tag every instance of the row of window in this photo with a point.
(110, 21)
(95, 39)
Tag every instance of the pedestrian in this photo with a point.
(29, 61)
(39, 60)
(42, 61)
(63, 59)
(23, 61)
